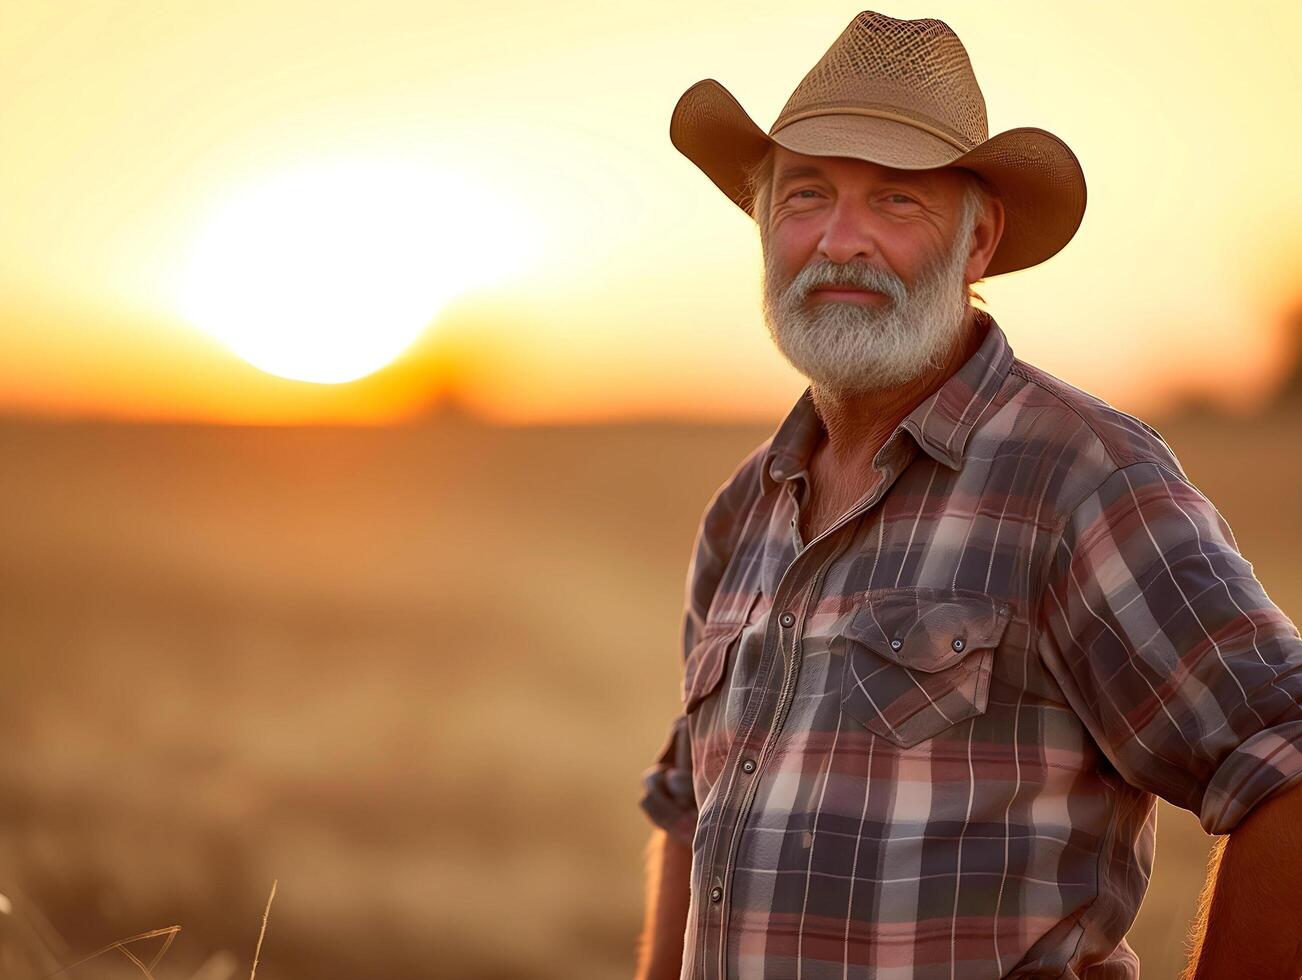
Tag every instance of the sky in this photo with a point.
(479, 203)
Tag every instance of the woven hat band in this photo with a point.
(876, 114)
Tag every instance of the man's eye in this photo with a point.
(898, 198)
(801, 194)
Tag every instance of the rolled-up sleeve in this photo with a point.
(668, 798)
(1166, 645)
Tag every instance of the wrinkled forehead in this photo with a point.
(789, 166)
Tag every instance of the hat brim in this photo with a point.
(1038, 178)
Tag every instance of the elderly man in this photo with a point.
(952, 628)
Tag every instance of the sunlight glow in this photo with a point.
(327, 274)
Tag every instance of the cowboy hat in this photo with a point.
(900, 93)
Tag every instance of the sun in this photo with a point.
(327, 273)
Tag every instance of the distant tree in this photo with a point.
(1290, 390)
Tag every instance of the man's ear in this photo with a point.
(986, 234)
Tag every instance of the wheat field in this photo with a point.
(412, 673)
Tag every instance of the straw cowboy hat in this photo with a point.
(900, 93)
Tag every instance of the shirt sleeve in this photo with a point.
(1184, 671)
(668, 795)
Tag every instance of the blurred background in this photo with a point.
(364, 370)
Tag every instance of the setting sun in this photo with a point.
(326, 274)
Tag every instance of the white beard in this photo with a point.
(847, 348)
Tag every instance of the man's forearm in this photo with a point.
(669, 870)
(1250, 924)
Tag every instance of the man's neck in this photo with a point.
(859, 423)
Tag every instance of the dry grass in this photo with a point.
(220, 966)
(262, 932)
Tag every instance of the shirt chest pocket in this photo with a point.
(918, 660)
(708, 659)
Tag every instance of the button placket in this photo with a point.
(894, 457)
(727, 838)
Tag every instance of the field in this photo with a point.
(412, 673)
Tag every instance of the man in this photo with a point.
(956, 623)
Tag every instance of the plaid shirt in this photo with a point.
(926, 743)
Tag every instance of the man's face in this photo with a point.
(866, 269)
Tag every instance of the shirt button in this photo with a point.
(958, 643)
(748, 765)
(896, 644)
(716, 893)
(787, 620)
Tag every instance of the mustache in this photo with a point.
(855, 274)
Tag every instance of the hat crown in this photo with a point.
(917, 70)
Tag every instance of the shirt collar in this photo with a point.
(941, 422)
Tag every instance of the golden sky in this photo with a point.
(577, 265)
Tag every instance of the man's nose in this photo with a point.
(848, 235)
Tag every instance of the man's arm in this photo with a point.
(1189, 679)
(668, 873)
(670, 802)
(1167, 647)
(1250, 919)
(668, 796)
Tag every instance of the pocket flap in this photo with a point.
(705, 662)
(704, 667)
(927, 629)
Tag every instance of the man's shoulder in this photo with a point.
(743, 484)
(1086, 432)
(724, 518)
